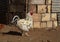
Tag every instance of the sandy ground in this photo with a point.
(36, 35)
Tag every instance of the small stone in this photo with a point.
(18, 39)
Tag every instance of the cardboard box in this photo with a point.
(55, 24)
(45, 17)
(43, 25)
(41, 8)
(53, 16)
(48, 1)
(32, 8)
(49, 8)
(36, 17)
(37, 2)
(36, 24)
(49, 24)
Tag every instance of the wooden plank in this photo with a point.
(45, 17)
(36, 25)
(41, 8)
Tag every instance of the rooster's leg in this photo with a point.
(27, 34)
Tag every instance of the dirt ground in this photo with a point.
(36, 35)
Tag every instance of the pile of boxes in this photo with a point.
(44, 18)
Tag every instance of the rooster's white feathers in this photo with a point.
(24, 24)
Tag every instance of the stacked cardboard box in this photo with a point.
(43, 25)
(53, 16)
(41, 18)
(46, 20)
(52, 24)
(32, 8)
(37, 1)
(48, 2)
(55, 23)
(49, 24)
(36, 17)
(49, 8)
(45, 17)
(36, 24)
(54, 19)
(41, 8)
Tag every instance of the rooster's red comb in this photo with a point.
(31, 13)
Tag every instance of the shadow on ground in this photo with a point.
(13, 33)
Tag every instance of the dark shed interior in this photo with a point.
(9, 8)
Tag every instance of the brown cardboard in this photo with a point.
(55, 24)
(49, 24)
(48, 1)
(36, 17)
(45, 17)
(37, 2)
(32, 8)
(53, 16)
(41, 8)
(36, 25)
(43, 25)
(49, 8)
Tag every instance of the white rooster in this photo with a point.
(24, 24)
